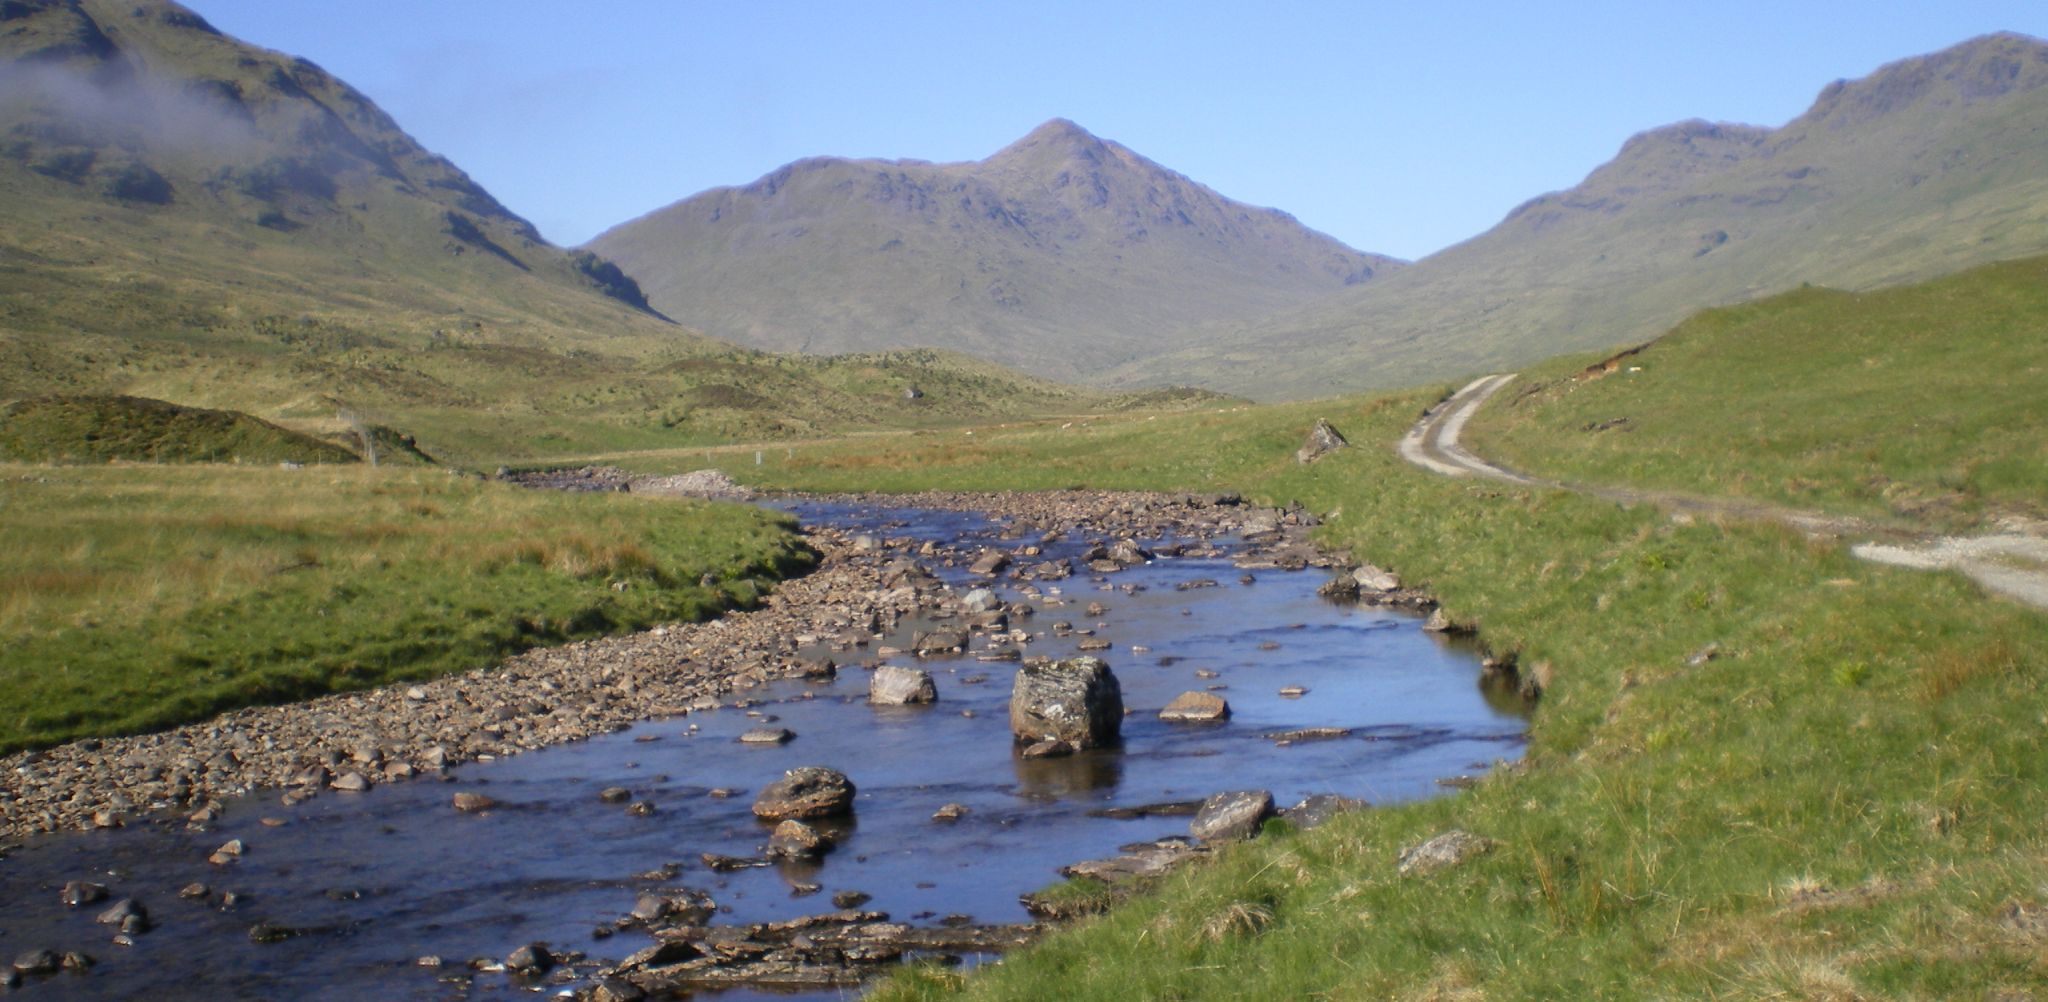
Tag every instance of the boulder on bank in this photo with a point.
(1232, 816)
(809, 791)
(1076, 701)
(1323, 439)
(892, 685)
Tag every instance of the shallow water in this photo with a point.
(394, 874)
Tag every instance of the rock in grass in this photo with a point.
(1077, 701)
(806, 792)
(1318, 809)
(1231, 816)
(1197, 707)
(893, 685)
(1323, 439)
(1452, 848)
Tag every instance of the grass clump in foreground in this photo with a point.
(1845, 803)
(136, 598)
(1925, 401)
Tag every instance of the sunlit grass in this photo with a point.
(135, 597)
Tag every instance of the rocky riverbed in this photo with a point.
(357, 740)
(1063, 573)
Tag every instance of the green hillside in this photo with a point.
(1925, 167)
(188, 218)
(100, 429)
(1925, 402)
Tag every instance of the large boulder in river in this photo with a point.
(892, 685)
(1076, 701)
(1322, 440)
(809, 791)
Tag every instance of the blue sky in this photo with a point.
(1397, 127)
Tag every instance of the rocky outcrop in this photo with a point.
(1076, 701)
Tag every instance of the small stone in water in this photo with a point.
(950, 812)
(79, 892)
(471, 803)
(614, 794)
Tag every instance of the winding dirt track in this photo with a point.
(2013, 564)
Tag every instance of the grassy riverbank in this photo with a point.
(139, 597)
(1844, 802)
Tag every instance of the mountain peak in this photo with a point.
(1058, 137)
(1985, 68)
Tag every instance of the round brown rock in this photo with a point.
(807, 792)
(1196, 706)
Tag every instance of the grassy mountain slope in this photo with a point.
(189, 218)
(1061, 254)
(1926, 166)
(1923, 401)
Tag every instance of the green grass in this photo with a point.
(1924, 402)
(85, 429)
(1845, 804)
(135, 598)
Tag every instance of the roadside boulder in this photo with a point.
(1232, 816)
(893, 685)
(1199, 707)
(1077, 701)
(806, 792)
(1323, 439)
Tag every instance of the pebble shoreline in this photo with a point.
(351, 741)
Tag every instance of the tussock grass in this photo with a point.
(1672, 824)
(133, 598)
